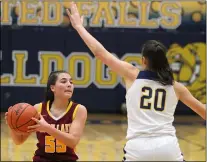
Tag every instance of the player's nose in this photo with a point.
(69, 84)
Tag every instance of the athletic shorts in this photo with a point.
(163, 148)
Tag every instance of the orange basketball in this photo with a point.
(19, 117)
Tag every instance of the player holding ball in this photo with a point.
(57, 121)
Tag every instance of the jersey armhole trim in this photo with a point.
(39, 109)
(75, 111)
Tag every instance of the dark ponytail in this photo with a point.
(49, 95)
(155, 53)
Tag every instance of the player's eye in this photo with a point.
(63, 81)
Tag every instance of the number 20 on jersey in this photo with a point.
(157, 101)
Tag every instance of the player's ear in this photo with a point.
(52, 87)
(144, 61)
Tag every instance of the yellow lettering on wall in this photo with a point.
(103, 12)
(20, 58)
(123, 17)
(46, 59)
(104, 79)
(155, 6)
(144, 9)
(6, 18)
(85, 60)
(52, 13)
(134, 4)
(171, 15)
(5, 78)
(28, 13)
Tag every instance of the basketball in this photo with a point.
(19, 117)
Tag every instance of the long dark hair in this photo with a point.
(49, 95)
(155, 53)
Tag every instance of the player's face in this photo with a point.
(63, 87)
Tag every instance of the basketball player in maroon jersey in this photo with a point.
(61, 122)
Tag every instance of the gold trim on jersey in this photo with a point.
(57, 118)
(75, 111)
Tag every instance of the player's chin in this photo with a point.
(68, 95)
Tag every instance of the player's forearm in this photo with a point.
(201, 111)
(197, 107)
(95, 46)
(63, 137)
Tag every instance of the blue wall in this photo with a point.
(66, 41)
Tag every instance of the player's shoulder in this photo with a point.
(81, 110)
(179, 88)
(80, 106)
(38, 106)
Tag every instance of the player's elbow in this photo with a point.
(202, 111)
(72, 145)
(99, 55)
(204, 116)
(74, 142)
(18, 142)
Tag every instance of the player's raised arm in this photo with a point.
(122, 68)
(186, 97)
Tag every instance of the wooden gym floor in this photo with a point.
(104, 138)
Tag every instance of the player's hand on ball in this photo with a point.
(40, 126)
(74, 16)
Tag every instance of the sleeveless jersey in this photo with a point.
(49, 148)
(150, 107)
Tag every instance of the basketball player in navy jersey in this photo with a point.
(61, 122)
(151, 98)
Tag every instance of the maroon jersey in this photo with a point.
(48, 148)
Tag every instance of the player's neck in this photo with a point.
(60, 104)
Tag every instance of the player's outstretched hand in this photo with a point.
(41, 125)
(75, 18)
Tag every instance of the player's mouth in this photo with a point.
(68, 91)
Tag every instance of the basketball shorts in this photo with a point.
(163, 148)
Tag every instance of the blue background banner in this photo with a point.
(30, 53)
